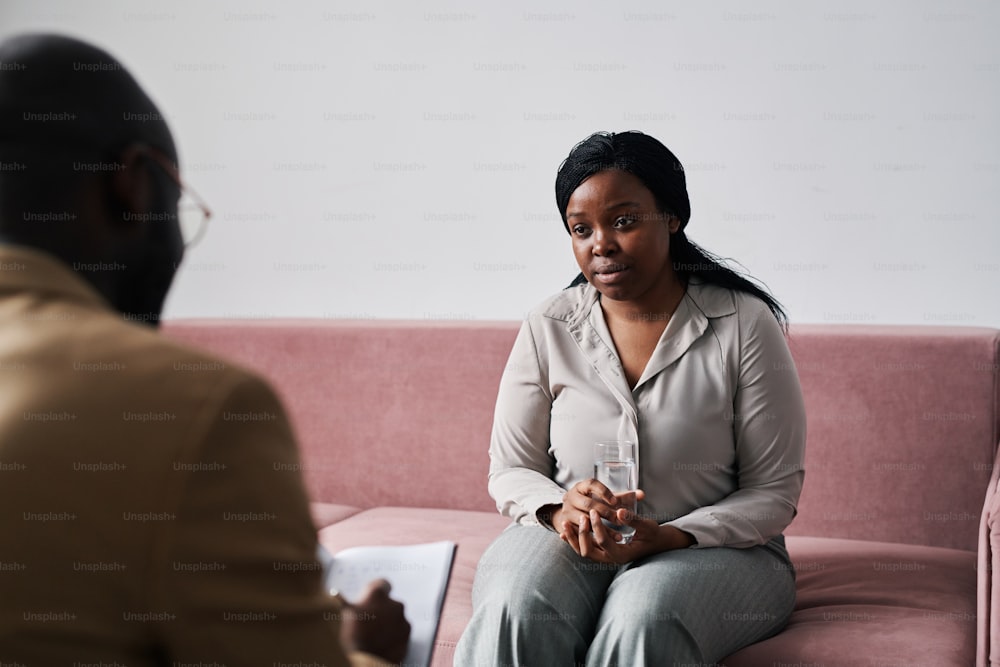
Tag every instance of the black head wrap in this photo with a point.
(634, 152)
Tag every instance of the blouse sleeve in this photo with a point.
(521, 465)
(769, 429)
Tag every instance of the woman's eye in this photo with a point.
(624, 220)
(579, 230)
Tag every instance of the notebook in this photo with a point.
(418, 574)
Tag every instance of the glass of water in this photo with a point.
(615, 467)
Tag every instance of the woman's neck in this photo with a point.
(654, 306)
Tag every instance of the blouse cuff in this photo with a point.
(535, 504)
(706, 530)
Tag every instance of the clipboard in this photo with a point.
(419, 575)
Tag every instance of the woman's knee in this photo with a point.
(522, 557)
(694, 605)
(531, 578)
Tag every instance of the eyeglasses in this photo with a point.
(192, 211)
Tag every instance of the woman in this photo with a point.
(657, 343)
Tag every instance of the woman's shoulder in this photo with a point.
(565, 306)
(719, 301)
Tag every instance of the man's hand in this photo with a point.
(376, 624)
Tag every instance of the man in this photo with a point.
(141, 520)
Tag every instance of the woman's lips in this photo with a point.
(610, 275)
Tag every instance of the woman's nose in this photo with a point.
(604, 243)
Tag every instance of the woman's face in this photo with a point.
(620, 238)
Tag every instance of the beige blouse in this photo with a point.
(718, 415)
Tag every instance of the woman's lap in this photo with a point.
(535, 601)
(531, 588)
(693, 606)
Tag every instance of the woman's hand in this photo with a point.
(580, 500)
(595, 541)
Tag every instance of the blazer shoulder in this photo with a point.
(152, 362)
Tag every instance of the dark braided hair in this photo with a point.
(659, 170)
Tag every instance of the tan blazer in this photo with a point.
(147, 511)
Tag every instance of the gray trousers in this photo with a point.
(536, 603)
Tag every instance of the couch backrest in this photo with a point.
(902, 430)
(903, 420)
(387, 413)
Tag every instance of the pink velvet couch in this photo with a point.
(896, 535)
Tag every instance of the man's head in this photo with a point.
(85, 170)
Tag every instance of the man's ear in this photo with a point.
(132, 187)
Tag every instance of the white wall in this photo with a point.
(396, 159)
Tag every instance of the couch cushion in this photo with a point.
(875, 603)
(471, 531)
(859, 603)
(325, 514)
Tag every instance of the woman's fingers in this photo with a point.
(583, 538)
(604, 537)
(594, 490)
(570, 536)
(591, 495)
(579, 520)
